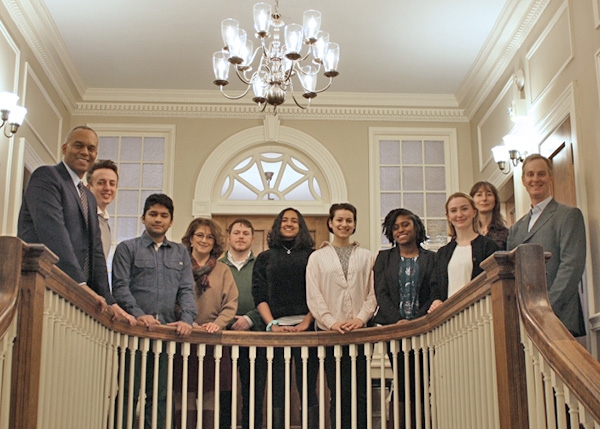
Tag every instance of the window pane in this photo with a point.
(128, 202)
(434, 152)
(435, 178)
(154, 149)
(389, 202)
(288, 178)
(389, 152)
(300, 193)
(436, 205)
(411, 152)
(152, 176)
(241, 192)
(412, 178)
(127, 227)
(131, 149)
(252, 176)
(129, 176)
(108, 148)
(389, 178)
(414, 203)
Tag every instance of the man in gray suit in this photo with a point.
(561, 231)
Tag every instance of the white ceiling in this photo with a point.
(387, 46)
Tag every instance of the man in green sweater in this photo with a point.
(240, 259)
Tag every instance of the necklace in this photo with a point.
(288, 250)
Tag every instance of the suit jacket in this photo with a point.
(52, 214)
(561, 231)
(386, 284)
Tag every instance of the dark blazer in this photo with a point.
(52, 214)
(481, 247)
(560, 229)
(386, 284)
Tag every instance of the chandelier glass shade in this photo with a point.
(286, 54)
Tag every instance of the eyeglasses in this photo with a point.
(201, 236)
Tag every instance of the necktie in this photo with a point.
(86, 215)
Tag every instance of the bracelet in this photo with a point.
(271, 323)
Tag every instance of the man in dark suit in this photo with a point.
(561, 231)
(61, 213)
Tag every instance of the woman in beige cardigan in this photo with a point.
(216, 301)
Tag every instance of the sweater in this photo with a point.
(279, 279)
(218, 303)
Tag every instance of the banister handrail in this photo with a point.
(579, 371)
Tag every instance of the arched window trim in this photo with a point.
(259, 138)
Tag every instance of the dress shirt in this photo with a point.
(151, 281)
(536, 211)
(332, 297)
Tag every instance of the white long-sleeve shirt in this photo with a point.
(330, 296)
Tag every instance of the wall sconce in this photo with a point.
(11, 114)
(508, 152)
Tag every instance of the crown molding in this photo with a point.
(211, 104)
(511, 30)
(43, 38)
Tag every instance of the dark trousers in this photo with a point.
(347, 399)
(260, 378)
(162, 388)
(279, 376)
(412, 386)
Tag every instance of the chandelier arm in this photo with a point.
(298, 104)
(243, 79)
(234, 97)
(8, 135)
(318, 91)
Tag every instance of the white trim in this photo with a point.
(596, 4)
(57, 153)
(203, 204)
(564, 7)
(168, 131)
(378, 133)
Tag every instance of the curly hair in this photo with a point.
(302, 241)
(390, 219)
(215, 230)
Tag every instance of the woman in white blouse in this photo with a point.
(340, 296)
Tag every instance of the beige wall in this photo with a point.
(565, 31)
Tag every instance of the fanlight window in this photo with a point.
(271, 176)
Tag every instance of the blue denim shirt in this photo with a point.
(149, 281)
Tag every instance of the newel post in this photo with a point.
(36, 267)
(510, 358)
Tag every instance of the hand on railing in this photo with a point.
(347, 326)
(149, 321)
(209, 327)
(183, 329)
(435, 304)
(120, 315)
(241, 324)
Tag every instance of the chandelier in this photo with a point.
(279, 59)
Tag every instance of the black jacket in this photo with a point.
(386, 284)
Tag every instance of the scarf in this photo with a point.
(201, 274)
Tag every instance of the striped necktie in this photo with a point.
(86, 215)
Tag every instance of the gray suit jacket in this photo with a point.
(52, 214)
(561, 231)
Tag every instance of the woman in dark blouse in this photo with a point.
(491, 223)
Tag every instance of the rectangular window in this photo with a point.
(412, 170)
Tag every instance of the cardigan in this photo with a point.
(386, 284)
(218, 303)
(332, 297)
(482, 247)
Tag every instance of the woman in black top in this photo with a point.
(491, 222)
(279, 291)
(403, 286)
